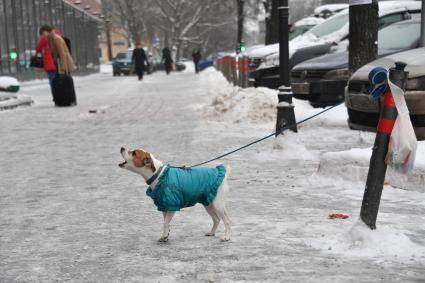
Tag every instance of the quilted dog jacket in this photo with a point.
(178, 188)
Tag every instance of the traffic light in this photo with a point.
(241, 47)
(13, 55)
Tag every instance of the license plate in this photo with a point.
(301, 88)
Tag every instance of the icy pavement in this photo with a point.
(68, 213)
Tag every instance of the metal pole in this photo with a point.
(285, 108)
(423, 24)
(284, 43)
(377, 167)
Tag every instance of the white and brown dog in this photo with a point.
(174, 188)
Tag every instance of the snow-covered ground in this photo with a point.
(67, 212)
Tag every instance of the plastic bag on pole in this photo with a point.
(402, 147)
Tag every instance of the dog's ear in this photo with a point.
(149, 163)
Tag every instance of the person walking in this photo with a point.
(196, 54)
(43, 48)
(167, 60)
(138, 60)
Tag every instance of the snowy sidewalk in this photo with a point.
(67, 212)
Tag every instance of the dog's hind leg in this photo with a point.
(166, 228)
(216, 220)
(221, 212)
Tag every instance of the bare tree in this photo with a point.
(272, 21)
(363, 37)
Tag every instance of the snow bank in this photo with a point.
(353, 165)
(236, 105)
(106, 68)
(6, 82)
(14, 101)
(233, 104)
(239, 105)
(361, 241)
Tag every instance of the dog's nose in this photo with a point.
(122, 149)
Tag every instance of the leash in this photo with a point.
(276, 133)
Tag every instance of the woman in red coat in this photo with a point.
(43, 47)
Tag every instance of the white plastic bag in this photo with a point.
(402, 147)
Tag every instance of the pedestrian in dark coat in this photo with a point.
(138, 60)
(43, 48)
(196, 54)
(167, 60)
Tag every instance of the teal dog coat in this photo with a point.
(178, 188)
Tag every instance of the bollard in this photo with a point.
(234, 71)
(285, 110)
(377, 167)
(243, 71)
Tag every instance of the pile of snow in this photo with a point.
(6, 82)
(361, 241)
(238, 105)
(353, 165)
(309, 21)
(106, 68)
(13, 101)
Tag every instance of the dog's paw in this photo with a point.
(209, 234)
(163, 239)
(225, 239)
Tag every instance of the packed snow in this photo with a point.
(6, 82)
(68, 213)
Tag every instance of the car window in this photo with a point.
(399, 36)
(415, 16)
(389, 19)
(332, 25)
(129, 55)
(296, 31)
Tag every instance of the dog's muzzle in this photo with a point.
(121, 165)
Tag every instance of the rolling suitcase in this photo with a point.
(63, 90)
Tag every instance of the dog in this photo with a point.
(173, 188)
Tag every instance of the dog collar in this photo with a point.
(154, 176)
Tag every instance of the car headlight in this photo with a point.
(337, 75)
(416, 84)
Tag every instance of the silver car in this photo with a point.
(363, 112)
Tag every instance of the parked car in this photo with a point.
(322, 80)
(328, 36)
(122, 63)
(303, 25)
(258, 53)
(325, 11)
(209, 60)
(363, 112)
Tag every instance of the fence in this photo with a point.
(19, 24)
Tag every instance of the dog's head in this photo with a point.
(138, 161)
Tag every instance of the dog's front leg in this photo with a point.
(166, 229)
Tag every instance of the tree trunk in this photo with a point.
(241, 4)
(363, 35)
(272, 23)
(423, 25)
